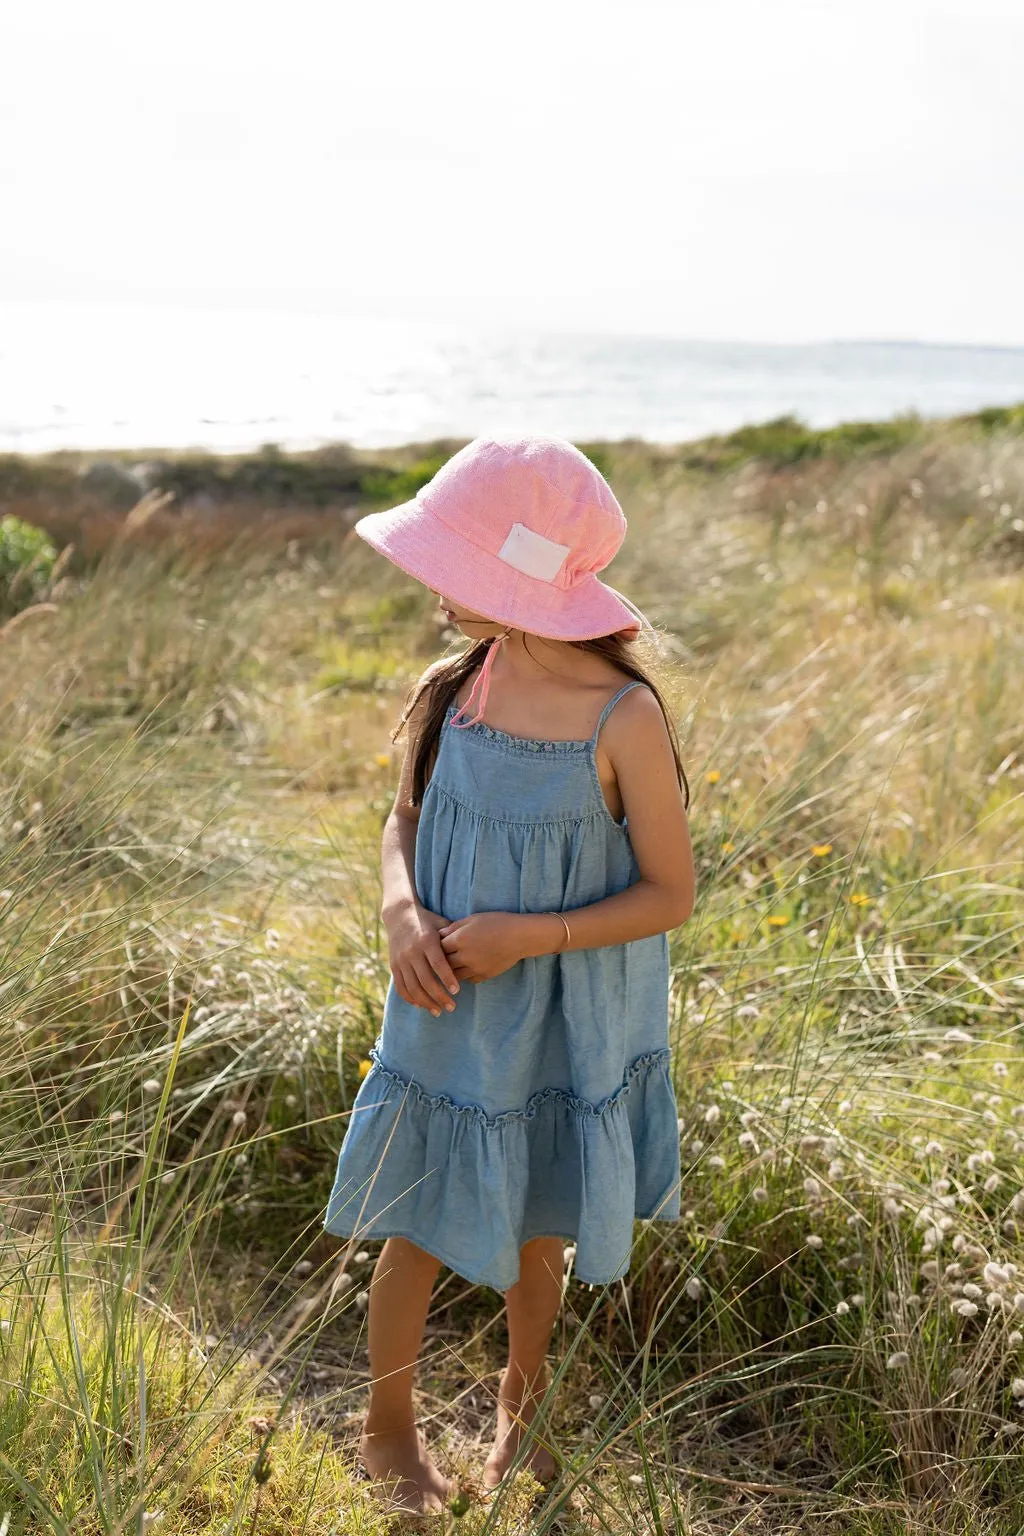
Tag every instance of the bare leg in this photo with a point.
(391, 1446)
(533, 1304)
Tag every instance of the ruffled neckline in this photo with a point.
(521, 743)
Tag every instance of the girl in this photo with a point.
(520, 1094)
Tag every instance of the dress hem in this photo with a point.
(382, 1234)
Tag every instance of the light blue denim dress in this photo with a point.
(543, 1105)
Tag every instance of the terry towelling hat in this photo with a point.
(515, 528)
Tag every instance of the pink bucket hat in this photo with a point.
(515, 528)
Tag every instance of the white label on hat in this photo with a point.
(532, 553)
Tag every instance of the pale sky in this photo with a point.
(770, 170)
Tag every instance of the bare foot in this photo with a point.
(514, 1414)
(400, 1454)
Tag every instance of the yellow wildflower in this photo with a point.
(860, 899)
(364, 1067)
(778, 920)
(728, 847)
(382, 760)
(820, 849)
(712, 777)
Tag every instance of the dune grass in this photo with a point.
(195, 764)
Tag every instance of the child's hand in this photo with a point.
(484, 944)
(419, 965)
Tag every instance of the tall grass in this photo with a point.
(194, 768)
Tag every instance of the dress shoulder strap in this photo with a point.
(603, 716)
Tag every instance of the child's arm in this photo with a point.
(420, 967)
(636, 740)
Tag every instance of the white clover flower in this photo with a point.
(973, 1292)
(842, 1308)
(760, 1194)
(941, 1186)
(993, 1299)
(958, 1037)
(749, 1116)
(748, 1011)
(857, 1299)
(809, 1143)
(238, 1118)
(362, 1300)
(999, 1068)
(747, 1139)
(930, 1269)
(892, 1208)
(836, 1169)
(596, 1402)
(117, 1114)
(992, 1183)
(680, 1125)
(965, 1308)
(1017, 1386)
(152, 1085)
(812, 1188)
(995, 1274)
(696, 1147)
(362, 1257)
(990, 1117)
(814, 1241)
(716, 1162)
(712, 1114)
(932, 1058)
(933, 1149)
(568, 1253)
(897, 1360)
(786, 1102)
(1015, 1338)
(845, 1105)
(693, 1288)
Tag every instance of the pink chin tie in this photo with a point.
(483, 682)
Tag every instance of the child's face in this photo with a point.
(475, 625)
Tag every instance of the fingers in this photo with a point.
(409, 987)
(435, 991)
(442, 965)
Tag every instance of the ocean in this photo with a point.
(130, 376)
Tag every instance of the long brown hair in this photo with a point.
(445, 681)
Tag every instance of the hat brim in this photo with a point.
(412, 538)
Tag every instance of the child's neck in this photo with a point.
(524, 659)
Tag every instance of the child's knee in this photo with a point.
(399, 1250)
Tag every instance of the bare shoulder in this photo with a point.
(637, 720)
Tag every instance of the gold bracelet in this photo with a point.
(568, 935)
